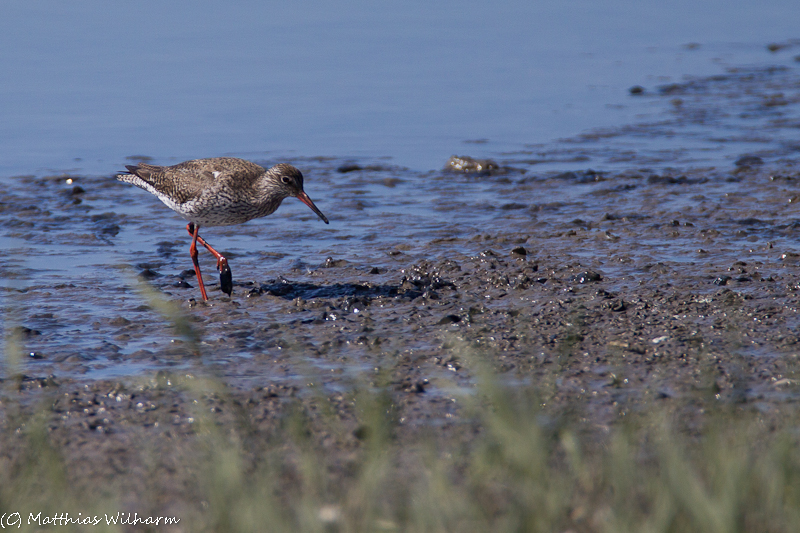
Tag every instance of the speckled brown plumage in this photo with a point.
(219, 191)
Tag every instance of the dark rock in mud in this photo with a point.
(469, 165)
(330, 262)
(588, 276)
(585, 176)
(139, 158)
(355, 167)
(24, 332)
(617, 305)
(671, 180)
(749, 161)
(148, 274)
(480, 167)
(672, 88)
(774, 47)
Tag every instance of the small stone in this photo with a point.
(352, 167)
(749, 161)
(25, 332)
(119, 321)
(148, 274)
(588, 277)
(618, 305)
(467, 164)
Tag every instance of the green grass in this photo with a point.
(512, 464)
(517, 471)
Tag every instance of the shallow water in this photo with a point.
(90, 83)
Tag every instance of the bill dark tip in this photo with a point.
(303, 197)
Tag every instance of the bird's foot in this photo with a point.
(225, 276)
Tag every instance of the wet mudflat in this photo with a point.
(670, 276)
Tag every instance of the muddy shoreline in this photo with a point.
(607, 291)
(588, 311)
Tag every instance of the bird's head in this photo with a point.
(288, 181)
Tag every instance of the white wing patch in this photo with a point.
(216, 173)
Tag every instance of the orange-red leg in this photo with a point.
(194, 230)
(225, 276)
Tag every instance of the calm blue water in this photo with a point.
(89, 82)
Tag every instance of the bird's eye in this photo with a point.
(286, 180)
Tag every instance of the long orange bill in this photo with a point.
(303, 197)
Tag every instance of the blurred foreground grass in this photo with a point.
(510, 469)
(511, 463)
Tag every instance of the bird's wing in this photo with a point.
(190, 180)
(231, 177)
(233, 170)
(165, 181)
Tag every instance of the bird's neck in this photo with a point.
(270, 194)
